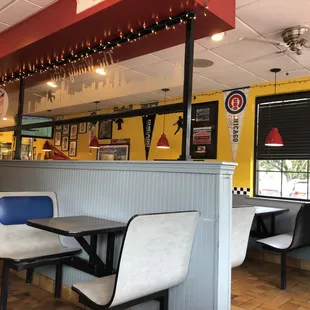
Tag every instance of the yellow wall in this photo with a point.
(133, 130)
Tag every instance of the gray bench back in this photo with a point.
(242, 219)
(155, 254)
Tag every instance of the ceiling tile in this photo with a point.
(176, 52)
(4, 3)
(241, 3)
(42, 3)
(139, 62)
(3, 27)
(17, 12)
(267, 16)
(202, 84)
(231, 36)
(218, 62)
(262, 67)
(293, 74)
(243, 51)
(162, 69)
(303, 59)
(233, 76)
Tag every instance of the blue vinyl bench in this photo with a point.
(25, 248)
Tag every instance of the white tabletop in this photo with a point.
(260, 210)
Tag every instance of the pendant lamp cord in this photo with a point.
(165, 113)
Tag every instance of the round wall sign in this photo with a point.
(235, 102)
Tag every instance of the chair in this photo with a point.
(24, 247)
(242, 219)
(290, 241)
(155, 256)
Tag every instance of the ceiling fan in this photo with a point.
(293, 40)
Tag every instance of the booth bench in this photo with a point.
(155, 257)
(24, 247)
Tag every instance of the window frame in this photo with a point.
(263, 99)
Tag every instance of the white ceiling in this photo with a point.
(13, 12)
(237, 62)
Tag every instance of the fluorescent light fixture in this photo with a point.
(218, 36)
(52, 84)
(101, 71)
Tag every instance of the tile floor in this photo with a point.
(255, 285)
(29, 297)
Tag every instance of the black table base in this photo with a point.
(94, 265)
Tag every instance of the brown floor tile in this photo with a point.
(260, 280)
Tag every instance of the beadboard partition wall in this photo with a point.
(118, 190)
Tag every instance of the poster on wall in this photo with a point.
(235, 105)
(148, 126)
(202, 135)
(4, 103)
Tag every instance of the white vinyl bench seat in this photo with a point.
(28, 255)
(155, 257)
(100, 290)
(25, 248)
(278, 242)
(285, 243)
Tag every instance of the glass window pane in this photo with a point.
(295, 185)
(269, 184)
(295, 165)
(269, 165)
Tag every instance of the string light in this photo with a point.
(131, 37)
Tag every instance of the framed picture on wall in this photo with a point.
(65, 130)
(105, 129)
(73, 132)
(83, 128)
(65, 143)
(113, 152)
(72, 149)
(204, 130)
(57, 138)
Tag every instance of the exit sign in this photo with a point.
(83, 5)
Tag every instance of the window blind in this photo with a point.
(290, 113)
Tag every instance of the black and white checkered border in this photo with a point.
(241, 191)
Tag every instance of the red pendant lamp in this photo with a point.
(274, 138)
(163, 142)
(94, 143)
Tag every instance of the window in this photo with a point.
(283, 172)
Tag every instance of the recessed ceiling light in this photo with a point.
(218, 36)
(52, 84)
(202, 63)
(4, 118)
(101, 71)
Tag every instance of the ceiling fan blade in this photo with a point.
(278, 43)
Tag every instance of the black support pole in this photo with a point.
(188, 89)
(18, 132)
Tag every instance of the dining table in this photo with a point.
(265, 218)
(80, 227)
